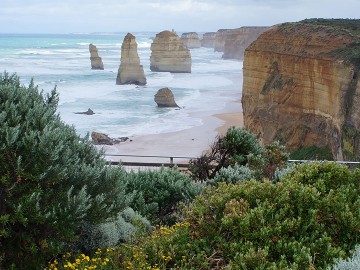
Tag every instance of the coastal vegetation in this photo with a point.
(242, 207)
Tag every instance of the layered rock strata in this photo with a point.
(130, 70)
(169, 54)
(191, 40)
(220, 38)
(237, 40)
(301, 86)
(96, 61)
(208, 40)
(165, 98)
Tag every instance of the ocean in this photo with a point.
(63, 61)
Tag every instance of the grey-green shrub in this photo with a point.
(351, 263)
(232, 174)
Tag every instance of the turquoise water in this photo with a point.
(126, 110)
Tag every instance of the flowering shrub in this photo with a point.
(103, 259)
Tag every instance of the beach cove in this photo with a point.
(209, 97)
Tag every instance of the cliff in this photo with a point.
(208, 40)
(237, 40)
(130, 70)
(169, 54)
(191, 40)
(220, 38)
(301, 86)
(96, 61)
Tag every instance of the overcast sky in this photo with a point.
(67, 16)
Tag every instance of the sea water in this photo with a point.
(63, 61)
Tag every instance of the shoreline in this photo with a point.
(186, 144)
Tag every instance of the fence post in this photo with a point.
(171, 161)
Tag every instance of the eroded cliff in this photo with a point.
(237, 40)
(301, 86)
(191, 40)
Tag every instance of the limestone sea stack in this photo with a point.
(169, 54)
(191, 40)
(237, 40)
(301, 86)
(96, 61)
(165, 98)
(208, 40)
(130, 70)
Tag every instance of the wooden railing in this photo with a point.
(170, 161)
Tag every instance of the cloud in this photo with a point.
(156, 15)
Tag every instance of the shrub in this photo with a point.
(232, 174)
(156, 194)
(231, 149)
(239, 147)
(51, 180)
(304, 221)
(348, 264)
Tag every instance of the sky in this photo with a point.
(71, 16)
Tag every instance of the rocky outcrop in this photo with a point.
(208, 40)
(169, 54)
(237, 40)
(130, 70)
(88, 112)
(301, 86)
(220, 38)
(96, 61)
(99, 138)
(165, 98)
(191, 40)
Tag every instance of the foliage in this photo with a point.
(51, 180)
(232, 174)
(112, 232)
(104, 259)
(304, 221)
(230, 149)
(156, 194)
(312, 153)
(348, 264)
(239, 148)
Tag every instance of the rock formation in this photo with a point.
(220, 38)
(99, 138)
(169, 54)
(208, 40)
(191, 40)
(237, 40)
(301, 86)
(130, 70)
(96, 62)
(88, 112)
(165, 98)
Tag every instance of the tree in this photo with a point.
(51, 180)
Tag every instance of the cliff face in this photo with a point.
(301, 86)
(169, 54)
(130, 70)
(237, 40)
(96, 61)
(191, 40)
(208, 40)
(220, 38)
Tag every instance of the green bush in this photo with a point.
(51, 180)
(156, 194)
(304, 221)
(228, 150)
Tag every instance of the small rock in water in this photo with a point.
(88, 112)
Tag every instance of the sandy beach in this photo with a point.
(185, 144)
